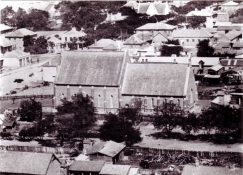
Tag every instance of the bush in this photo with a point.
(5, 134)
(25, 87)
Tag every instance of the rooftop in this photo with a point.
(4, 27)
(15, 54)
(155, 79)
(156, 26)
(20, 33)
(91, 68)
(138, 38)
(110, 169)
(191, 33)
(24, 162)
(87, 166)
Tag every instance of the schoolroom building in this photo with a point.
(114, 82)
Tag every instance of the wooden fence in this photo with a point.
(38, 149)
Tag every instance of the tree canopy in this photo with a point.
(80, 119)
(35, 46)
(171, 47)
(30, 110)
(120, 127)
(204, 50)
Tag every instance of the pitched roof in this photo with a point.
(216, 67)
(231, 62)
(110, 47)
(209, 170)
(53, 62)
(87, 166)
(20, 33)
(4, 27)
(155, 79)
(5, 42)
(160, 7)
(15, 54)
(191, 33)
(109, 148)
(115, 169)
(159, 37)
(24, 162)
(222, 44)
(91, 68)
(199, 13)
(156, 26)
(138, 38)
(102, 43)
(223, 28)
(73, 32)
(238, 44)
(230, 3)
(143, 7)
(233, 34)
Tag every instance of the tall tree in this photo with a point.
(190, 123)
(7, 15)
(204, 49)
(81, 119)
(30, 110)
(167, 117)
(207, 119)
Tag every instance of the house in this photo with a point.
(200, 65)
(106, 45)
(222, 16)
(98, 74)
(28, 163)
(138, 40)
(191, 37)
(16, 58)
(19, 34)
(153, 8)
(154, 28)
(221, 100)
(6, 45)
(50, 68)
(230, 7)
(109, 169)
(109, 151)
(155, 84)
(232, 75)
(209, 170)
(86, 167)
(203, 13)
(5, 29)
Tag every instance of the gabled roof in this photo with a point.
(110, 169)
(87, 166)
(91, 68)
(25, 162)
(232, 62)
(208, 170)
(229, 28)
(155, 79)
(156, 26)
(222, 44)
(109, 148)
(143, 7)
(230, 3)
(199, 13)
(159, 37)
(233, 34)
(15, 54)
(20, 33)
(102, 43)
(216, 67)
(74, 33)
(160, 7)
(138, 38)
(191, 33)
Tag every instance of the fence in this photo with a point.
(39, 149)
(205, 154)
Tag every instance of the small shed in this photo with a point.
(109, 151)
(86, 167)
(216, 70)
(211, 79)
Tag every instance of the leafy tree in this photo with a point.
(168, 50)
(18, 81)
(196, 21)
(81, 118)
(190, 123)
(207, 119)
(174, 42)
(28, 41)
(30, 110)
(204, 50)
(119, 128)
(237, 16)
(6, 15)
(167, 117)
(35, 46)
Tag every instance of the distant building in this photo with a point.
(29, 163)
(153, 8)
(16, 58)
(6, 45)
(19, 34)
(138, 40)
(230, 7)
(191, 37)
(109, 151)
(106, 45)
(5, 29)
(109, 169)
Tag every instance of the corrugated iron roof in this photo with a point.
(24, 162)
(191, 33)
(87, 166)
(156, 26)
(233, 34)
(155, 79)
(90, 68)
